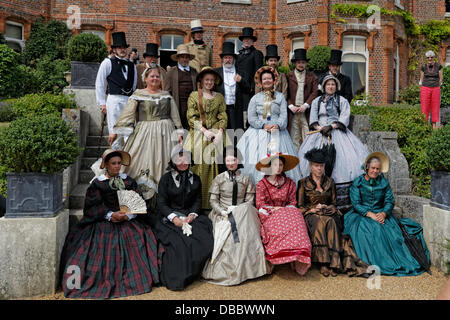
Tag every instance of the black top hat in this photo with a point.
(272, 52)
(228, 49)
(247, 32)
(335, 57)
(119, 40)
(151, 50)
(316, 155)
(299, 54)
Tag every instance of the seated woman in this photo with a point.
(268, 119)
(376, 235)
(116, 255)
(316, 197)
(284, 233)
(182, 230)
(329, 117)
(241, 256)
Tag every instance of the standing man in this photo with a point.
(302, 89)
(203, 53)
(232, 87)
(151, 60)
(334, 68)
(121, 77)
(272, 59)
(248, 61)
(181, 81)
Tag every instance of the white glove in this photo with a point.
(187, 229)
(224, 213)
(231, 208)
(209, 134)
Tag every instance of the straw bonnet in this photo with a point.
(126, 158)
(258, 74)
(290, 162)
(210, 70)
(383, 159)
(182, 49)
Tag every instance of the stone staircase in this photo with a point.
(90, 154)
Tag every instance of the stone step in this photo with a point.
(85, 176)
(86, 163)
(92, 141)
(75, 216)
(91, 152)
(76, 199)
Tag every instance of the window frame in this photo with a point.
(291, 52)
(20, 42)
(172, 35)
(363, 54)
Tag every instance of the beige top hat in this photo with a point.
(182, 49)
(196, 26)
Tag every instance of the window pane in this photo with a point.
(177, 40)
(298, 43)
(357, 73)
(14, 45)
(166, 42)
(360, 45)
(101, 34)
(237, 44)
(13, 31)
(347, 44)
(349, 57)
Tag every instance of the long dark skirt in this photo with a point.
(184, 257)
(113, 260)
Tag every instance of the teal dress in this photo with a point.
(380, 244)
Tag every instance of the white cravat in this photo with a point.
(229, 84)
(187, 68)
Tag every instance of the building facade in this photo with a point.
(375, 54)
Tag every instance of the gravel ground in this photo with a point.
(284, 284)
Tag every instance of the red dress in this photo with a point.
(283, 231)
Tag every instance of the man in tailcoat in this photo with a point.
(203, 53)
(151, 60)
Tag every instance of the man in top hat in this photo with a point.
(151, 60)
(248, 61)
(232, 87)
(120, 76)
(202, 52)
(181, 81)
(334, 68)
(272, 59)
(302, 90)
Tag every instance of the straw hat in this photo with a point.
(290, 162)
(196, 26)
(330, 77)
(206, 70)
(258, 74)
(383, 159)
(182, 49)
(126, 158)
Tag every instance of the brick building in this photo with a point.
(376, 59)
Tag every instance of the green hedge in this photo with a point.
(445, 89)
(38, 144)
(438, 149)
(318, 58)
(413, 136)
(10, 80)
(86, 47)
(42, 104)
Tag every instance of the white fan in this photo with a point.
(131, 202)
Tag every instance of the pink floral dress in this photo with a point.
(283, 231)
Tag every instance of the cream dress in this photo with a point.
(243, 260)
(151, 121)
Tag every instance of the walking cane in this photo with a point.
(101, 136)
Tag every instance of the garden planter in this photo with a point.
(83, 74)
(33, 195)
(440, 189)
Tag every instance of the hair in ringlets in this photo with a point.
(266, 71)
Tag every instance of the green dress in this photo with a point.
(380, 244)
(205, 154)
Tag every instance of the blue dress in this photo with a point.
(253, 144)
(380, 244)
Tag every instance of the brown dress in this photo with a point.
(325, 228)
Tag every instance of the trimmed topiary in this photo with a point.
(438, 149)
(86, 47)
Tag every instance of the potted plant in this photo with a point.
(438, 154)
(85, 51)
(318, 59)
(36, 150)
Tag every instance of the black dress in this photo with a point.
(184, 256)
